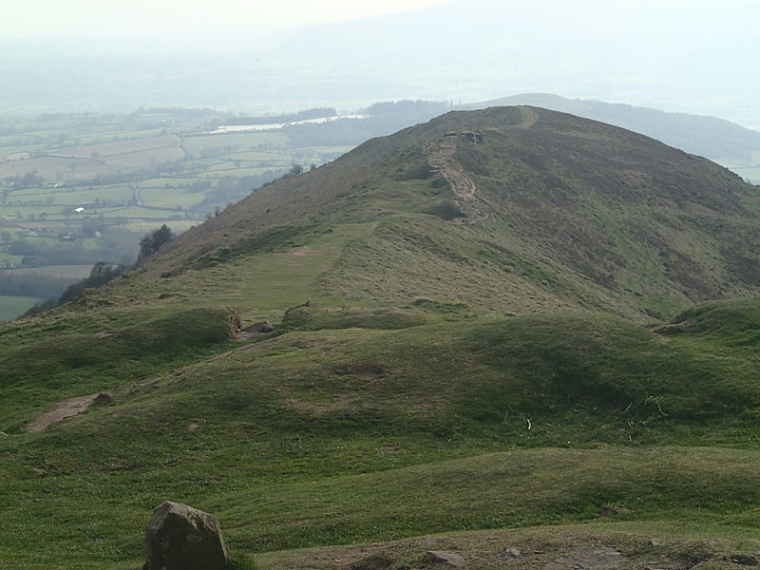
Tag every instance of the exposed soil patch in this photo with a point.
(599, 558)
(530, 117)
(441, 159)
(61, 411)
(530, 549)
(302, 251)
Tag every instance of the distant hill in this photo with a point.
(712, 138)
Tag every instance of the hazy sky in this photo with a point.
(689, 55)
(136, 18)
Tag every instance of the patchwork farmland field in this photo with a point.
(85, 188)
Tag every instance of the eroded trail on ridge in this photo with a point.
(441, 159)
(61, 411)
(530, 118)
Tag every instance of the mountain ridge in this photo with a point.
(571, 212)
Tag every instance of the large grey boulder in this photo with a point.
(179, 537)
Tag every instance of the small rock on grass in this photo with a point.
(510, 554)
(743, 560)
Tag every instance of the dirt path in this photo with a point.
(136, 195)
(441, 159)
(61, 411)
(530, 118)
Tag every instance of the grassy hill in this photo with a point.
(484, 359)
(728, 143)
(548, 211)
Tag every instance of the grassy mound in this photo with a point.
(694, 488)
(325, 437)
(311, 318)
(61, 366)
(734, 322)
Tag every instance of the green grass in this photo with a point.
(284, 272)
(356, 435)
(66, 365)
(347, 435)
(494, 374)
(318, 318)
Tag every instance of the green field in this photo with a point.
(235, 142)
(11, 306)
(76, 166)
(71, 271)
(65, 178)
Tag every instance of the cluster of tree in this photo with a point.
(35, 254)
(116, 245)
(305, 115)
(295, 170)
(100, 274)
(410, 109)
(27, 180)
(153, 241)
(199, 186)
(103, 272)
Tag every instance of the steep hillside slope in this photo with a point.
(508, 210)
(402, 401)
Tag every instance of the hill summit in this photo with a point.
(508, 210)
